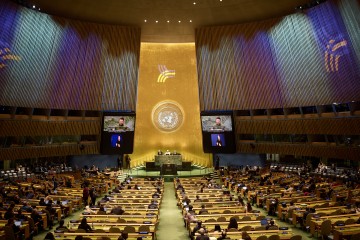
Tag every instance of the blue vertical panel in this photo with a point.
(8, 22)
(338, 57)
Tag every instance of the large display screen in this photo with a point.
(117, 135)
(217, 132)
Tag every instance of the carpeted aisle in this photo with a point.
(171, 224)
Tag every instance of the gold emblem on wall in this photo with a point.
(164, 74)
(332, 56)
(167, 116)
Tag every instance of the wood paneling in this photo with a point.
(341, 152)
(331, 126)
(48, 128)
(48, 151)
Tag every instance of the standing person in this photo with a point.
(128, 161)
(92, 194)
(118, 142)
(218, 141)
(120, 162)
(217, 163)
(85, 195)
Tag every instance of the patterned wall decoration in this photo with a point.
(60, 63)
(303, 59)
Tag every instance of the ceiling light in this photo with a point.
(194, 3)
(179, 21)
(190, 20)
(168, 21)
(145, 20)
(156, 21)
(33, 6)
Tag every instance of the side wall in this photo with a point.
(303, 59)
(53, 62)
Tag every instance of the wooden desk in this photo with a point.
(344, 231)
(95, 236)
(284, 235)
(106, 226)
(316, 223)
(300, 213)
(25, 227)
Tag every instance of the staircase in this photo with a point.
(121, 176)
(214, 175)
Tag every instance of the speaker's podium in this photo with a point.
(168, 169)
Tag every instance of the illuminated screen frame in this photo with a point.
(116, 139)
(218, 137)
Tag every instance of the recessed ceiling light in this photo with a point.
(179, 21)
(168, 21)
(190, 20)
(33, 6)
(156, 21)
(194, 3)
(145, 20)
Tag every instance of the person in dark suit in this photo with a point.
(233, 223)
(202, 235)
(203, 210)
(84, 225)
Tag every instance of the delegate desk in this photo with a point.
(168, 159)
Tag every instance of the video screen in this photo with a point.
(217, 123)
(117, 135)
(118, 123)
(218, 140)
(217, 132)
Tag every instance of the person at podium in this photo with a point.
(167, 152)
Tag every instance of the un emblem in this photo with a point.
(167, 116)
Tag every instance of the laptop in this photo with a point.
(64, 202)
(17, 223)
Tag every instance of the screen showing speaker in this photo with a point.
(117, 136)
(218, 132)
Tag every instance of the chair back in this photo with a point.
(144, 228)
(296, 237)
(114, 230)
(274, 237)
(129, 229)
(263, 237)
(246, 228)
(326, 227)
(9, 233)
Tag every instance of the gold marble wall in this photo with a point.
(168, 111)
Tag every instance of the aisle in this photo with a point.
(171, 224)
